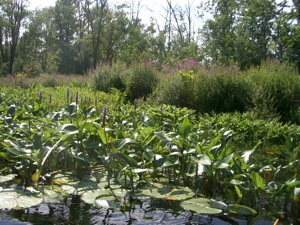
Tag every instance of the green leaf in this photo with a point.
(241, 210)
(107, 204)
(238, 191)
(246, 155)
(91, 195)
(130, 161)
(68, 129)
(221, 165)
(121, 143)
(8, 177)
(168, 192)
(185, 128)
(202, 159)
(15, 198)
(258, 180)
(204, 205)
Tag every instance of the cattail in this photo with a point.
(95, 102)
(68, 94)
(40, 96)
(76, 98)
(170, 145)
(104, 114)
(135, 104)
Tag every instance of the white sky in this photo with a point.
(156, 6)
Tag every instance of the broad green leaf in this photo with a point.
(246, 155)
(68, 129)
(107, 204)
(130, 161)
(121, 143)
(257, 180)
(167, 163)
(238, 191)
(8, 177)
(236, 182)
(102, 134)
(204, 205)
(241, 210)
(185, 128)
(297, 192)
(221, 165)
(91, 195)
(36, 176)
(15, 198)
(202, 159)
(142, 170)
(168, 192)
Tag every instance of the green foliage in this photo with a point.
(135, 146)
(269, 91)
(273, 91)
(141, 80)
(108, 76)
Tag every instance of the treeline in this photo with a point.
(76, 35)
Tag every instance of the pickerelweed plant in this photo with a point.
(97, 147)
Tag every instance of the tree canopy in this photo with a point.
(74, 36)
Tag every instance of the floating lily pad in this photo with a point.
(166, 192)
(6, 178)
(241, 209)
(79, 187)
(90, 196)
(15, 198)
(107, 203)
(204, 205)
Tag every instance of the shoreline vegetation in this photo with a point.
(229, 135)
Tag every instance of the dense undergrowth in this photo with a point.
(271, 90)
(62, 129)
(218, 131)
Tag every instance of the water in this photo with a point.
(138, 212)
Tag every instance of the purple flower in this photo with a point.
(76, 97)
(50, 97)
(104, 114)
(68, 93)
(170, 145)
(40, 96)
(135, 104)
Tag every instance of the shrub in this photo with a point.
(274, 90)
(177, 89)
(141, 80)
(107, 76)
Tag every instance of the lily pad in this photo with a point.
(241, 209)
(79, 187)
(107, 203)
(90, 196)
(166, 191)
(6, 178)
(15, 198)
(204, 205)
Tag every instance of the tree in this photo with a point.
(12, 14)
(66, 23)
(219, 33)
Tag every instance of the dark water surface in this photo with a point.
(143, 212)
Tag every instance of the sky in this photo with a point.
(149, 7)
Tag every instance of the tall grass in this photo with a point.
(269, 91)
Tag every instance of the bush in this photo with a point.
(274, 90)
(108, 76)
(141, 81)
(177, 89)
